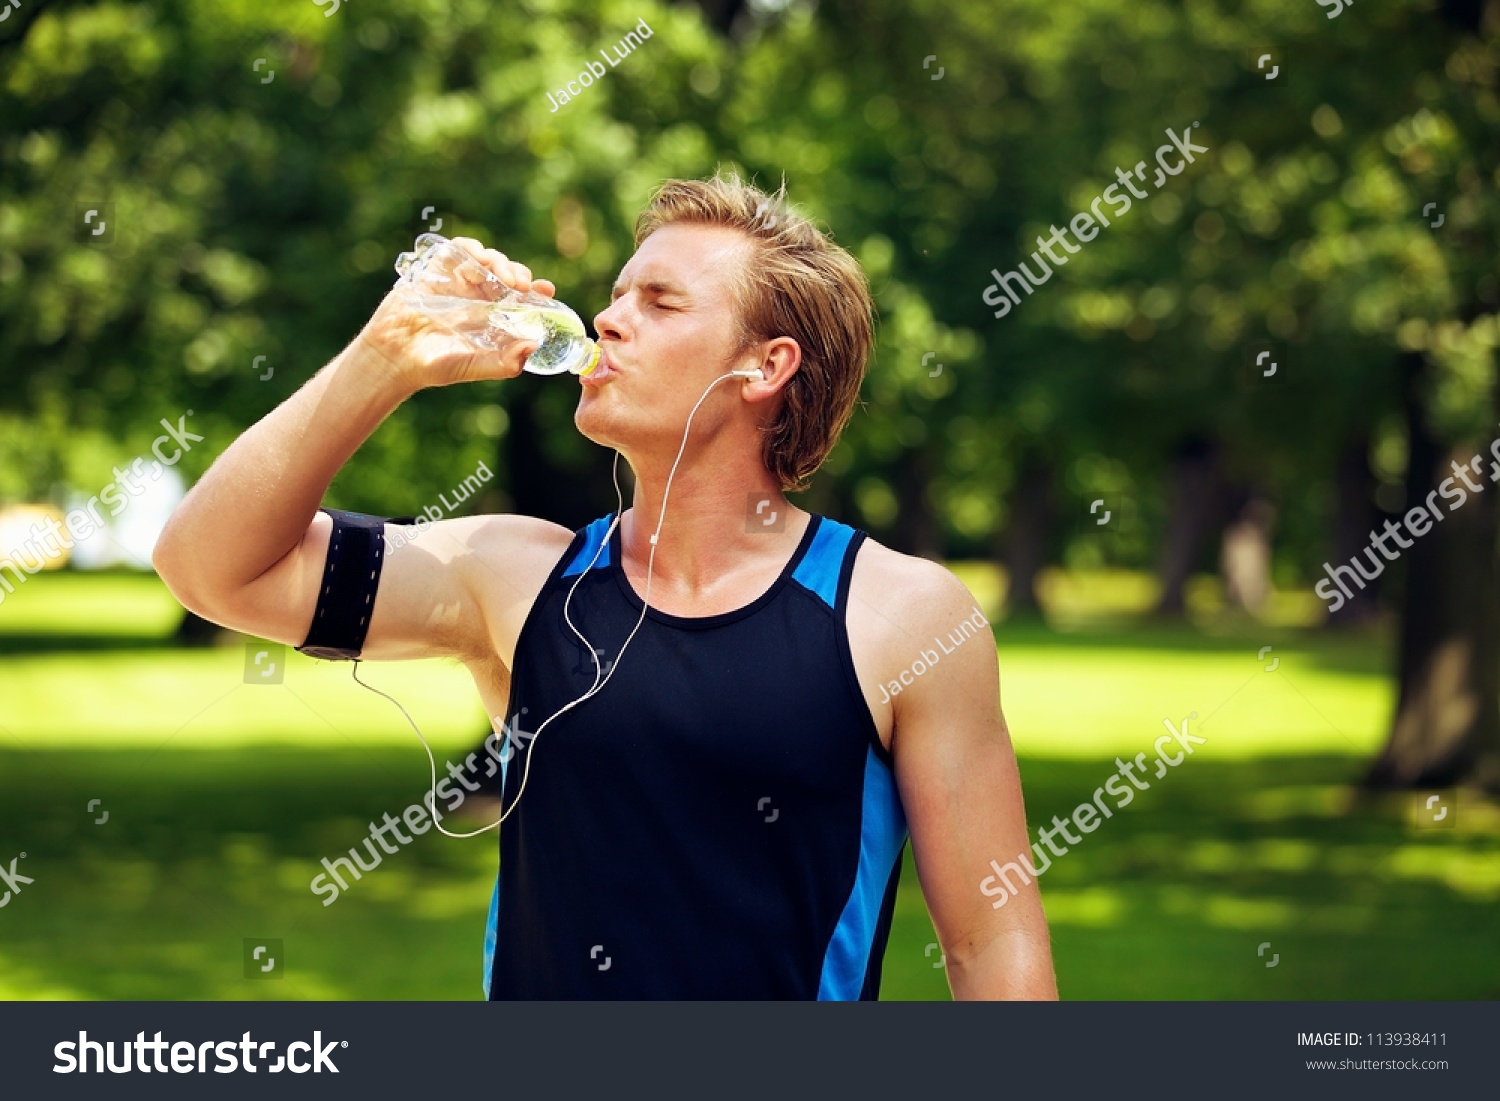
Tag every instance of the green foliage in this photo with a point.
(258, 210)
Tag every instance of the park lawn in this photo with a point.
(223, 796)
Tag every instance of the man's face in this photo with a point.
(668, 332)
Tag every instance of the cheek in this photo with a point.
(705, 343)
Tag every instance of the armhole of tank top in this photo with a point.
(846, 654)
(555, 578)
(580, 539)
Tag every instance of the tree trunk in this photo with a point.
(721, 14)
(916, 530)
(1027, 535)
(1356, 517)
(194, 630)
(1245, 557)
(1447, 724)
(541, 488)
(1195, 509)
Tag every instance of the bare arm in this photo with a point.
(961, 792)
(246, 546)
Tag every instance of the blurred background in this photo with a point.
(200, 204)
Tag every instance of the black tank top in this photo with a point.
(720, 821)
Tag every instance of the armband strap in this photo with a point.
(346, 597)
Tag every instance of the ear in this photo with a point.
(777, 360)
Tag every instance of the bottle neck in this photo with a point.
(591, 360)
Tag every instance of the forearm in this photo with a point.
(255, 503)
(1015, 966)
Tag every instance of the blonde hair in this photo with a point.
(797, 283)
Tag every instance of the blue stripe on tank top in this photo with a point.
(491, 937)
(818, 572)
(882, 833)
(593, 536)
(492, 923)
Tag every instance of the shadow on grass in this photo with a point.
(202, 849)
(1170, 898)
(1173, 897)
(31, 644)
(1346, 651)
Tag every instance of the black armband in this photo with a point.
(346, 597)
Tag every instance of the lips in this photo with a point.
(605, 370)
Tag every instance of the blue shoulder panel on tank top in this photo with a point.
(882, 835)
(818, 572)
(593, 536)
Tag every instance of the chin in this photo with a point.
(595, 424)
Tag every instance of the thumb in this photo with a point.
(519, 353)
(505, 363)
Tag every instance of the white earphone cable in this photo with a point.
(645, 601)
(598, 684)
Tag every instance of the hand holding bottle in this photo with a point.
(436, 326)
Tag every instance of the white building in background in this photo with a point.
(129, 538)
(108, 529)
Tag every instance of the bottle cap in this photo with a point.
(590, 363)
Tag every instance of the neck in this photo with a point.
(718, 521)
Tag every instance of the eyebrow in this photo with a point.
(650, 286)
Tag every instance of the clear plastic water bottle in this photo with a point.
(452, 287)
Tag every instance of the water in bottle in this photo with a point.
(451, 286)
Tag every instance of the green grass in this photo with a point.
(223, 797)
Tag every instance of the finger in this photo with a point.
(479, 256)
(489, 263)
(512, 273)
(544, 287)
(486, 262)
(503, 267)
(512, 361)
(473, 264)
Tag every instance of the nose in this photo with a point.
(609, 322)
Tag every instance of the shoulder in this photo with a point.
(905, 615)
(907, 620)
(916, 594)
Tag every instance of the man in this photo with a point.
(725, 817)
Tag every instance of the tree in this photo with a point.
(1447, 724)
